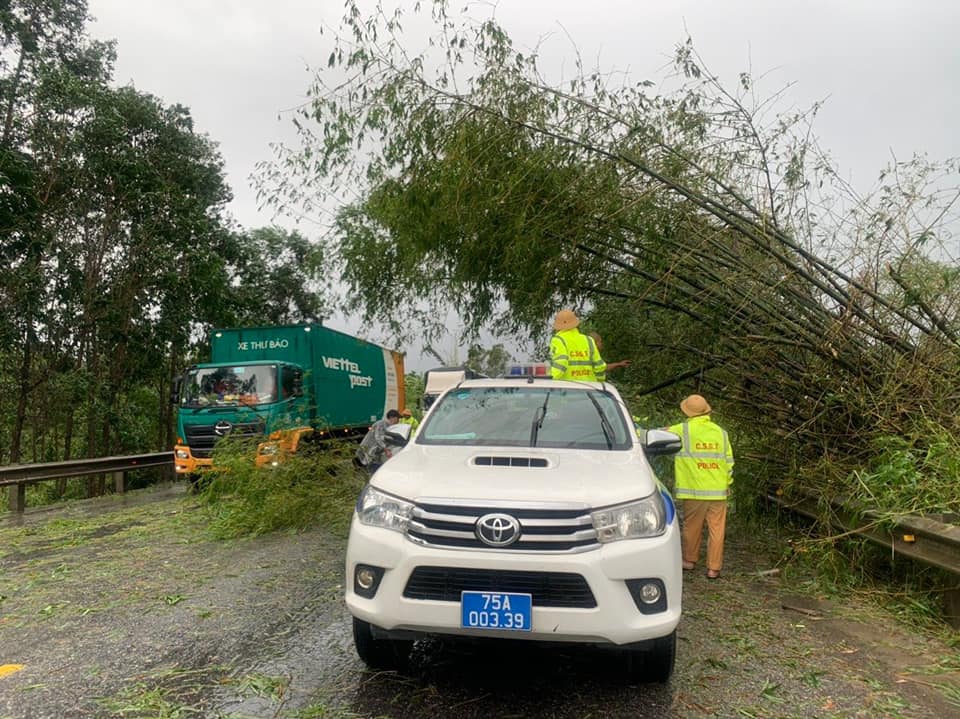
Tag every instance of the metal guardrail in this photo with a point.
(925, 539)
(18, 476)
(931, 540)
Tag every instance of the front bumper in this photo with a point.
(615, 620)
(186, 463)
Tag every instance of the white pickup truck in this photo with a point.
(524, 508)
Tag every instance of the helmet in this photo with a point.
(565, 320)
(694, 406)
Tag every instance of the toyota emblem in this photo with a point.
(498, 530)
(222, 428)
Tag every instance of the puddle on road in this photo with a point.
(503, 678)
(317, 662)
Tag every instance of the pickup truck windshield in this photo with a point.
(230, 386)
(526, 416)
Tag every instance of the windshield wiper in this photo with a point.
(604, 422)
(205, 407)
(538, 418)
(208, 407)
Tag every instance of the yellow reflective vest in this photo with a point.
(703, 468)
(574, 355)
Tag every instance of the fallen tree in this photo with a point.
(699, 227)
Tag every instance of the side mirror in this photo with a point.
(397, 435)
(659, 442)
(175, 390)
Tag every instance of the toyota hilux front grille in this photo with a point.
(537, 528)
(547, 589)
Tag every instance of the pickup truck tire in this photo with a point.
(655, 663)
(380, 653)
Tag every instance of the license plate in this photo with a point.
(496, 610)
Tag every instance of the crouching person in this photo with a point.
(373, 451)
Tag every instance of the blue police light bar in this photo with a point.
(529, 369)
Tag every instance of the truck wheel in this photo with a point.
(380, 653)
(655, 663)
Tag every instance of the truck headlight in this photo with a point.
(644, 518)
(183, 454)
(268, 448)
(379, 509)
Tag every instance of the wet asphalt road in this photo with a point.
(124, 608)
(495, 680)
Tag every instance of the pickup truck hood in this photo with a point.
(591, 478)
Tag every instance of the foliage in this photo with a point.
(118, 252)
(244, 500)
(280, 272)
(912, 475)
(413, 390)
(844, 566)
(491, 362)
(697, 228)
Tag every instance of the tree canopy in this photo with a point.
(117, 248)
(701, 230)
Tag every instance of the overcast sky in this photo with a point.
(887, 69)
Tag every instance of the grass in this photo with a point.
(263, 686)
(173, 694)
(812, 678)
(854, 573)
(169, 693)
(46, 493)
(243, 500)
(322, 711)
(68, 569)
(143, 703)
(814, 562)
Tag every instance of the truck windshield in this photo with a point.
(226, 386)
(526, 416)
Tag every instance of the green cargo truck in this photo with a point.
(282, 385)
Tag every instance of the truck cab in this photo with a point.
(239, 400)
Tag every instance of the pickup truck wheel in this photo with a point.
(654, 664)
(379, 653)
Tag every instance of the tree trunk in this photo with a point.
(67, 447)
(105, 447)
(93, 406)
(20, 416)
(167, 409)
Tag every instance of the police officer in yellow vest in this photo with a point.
(406, 417)
(574, 355)
(703, 472)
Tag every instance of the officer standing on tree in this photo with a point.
(703, 473)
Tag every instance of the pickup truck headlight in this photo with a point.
(379, 509)
(643, 518)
